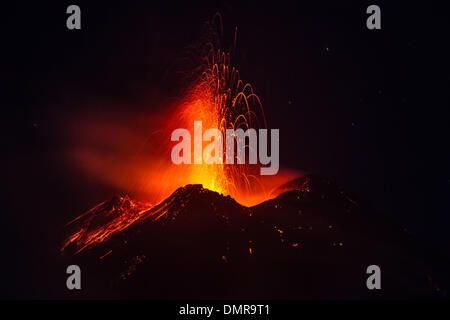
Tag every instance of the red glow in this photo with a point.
(218, 98)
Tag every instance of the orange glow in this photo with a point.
(221, 100)
(92, 230)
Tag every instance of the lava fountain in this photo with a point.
(220, 99)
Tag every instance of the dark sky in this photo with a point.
(368, 109)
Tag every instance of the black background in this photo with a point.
(368, 109)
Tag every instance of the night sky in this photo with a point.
(365, 108)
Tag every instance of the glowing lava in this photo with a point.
(218, 98)
(221, 100)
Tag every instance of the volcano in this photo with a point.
(312, 241)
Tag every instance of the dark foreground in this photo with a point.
(312, 242)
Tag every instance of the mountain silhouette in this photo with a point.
(313, 241)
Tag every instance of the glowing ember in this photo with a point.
(221, 100)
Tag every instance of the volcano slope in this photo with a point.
(313, 241)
